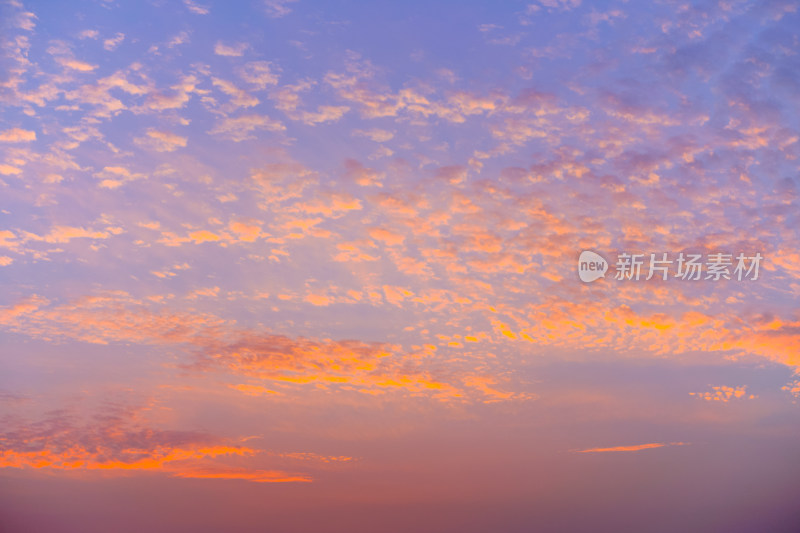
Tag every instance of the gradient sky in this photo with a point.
(297, 266)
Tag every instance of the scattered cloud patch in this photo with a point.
(278, 8)
(161, 141)
(196, 8)
(230, 50)
(112, 43)
(17, 135)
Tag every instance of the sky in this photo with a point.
(294, 266)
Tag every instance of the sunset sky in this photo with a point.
(304, 266)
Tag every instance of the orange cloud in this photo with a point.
(387, 236)
(161, 141)
(74, 64)
(723, 394)
(246, 231)
(778, 342)
(204, 236)
(329, 205)
(79, 457)
(115, 443)
(8, 170)
(8, 239)
(793, 388)
(113, 177)
(318, 300)
(362, 175)
(208, 292)
(253, 390)
(178, 96)
(634, 448)
(354, 251)
(16, 135)
(256, 476)
(25, 306)
(219, 346)
(396, 295)
(62, 234)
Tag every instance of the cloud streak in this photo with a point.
(632, 448)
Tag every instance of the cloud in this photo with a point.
(178, 97)
(75, 64)
(396, 295)
(112, 43)
(776, 340)
(375, 134)
(25, 21)
(319, 300)
(8, 239)
(453, 174)
(283, 181)
(387, 236)
(239, 97)
(633, 448)
(8, 170)
(256, 476)
(204, 236)
(287, 99)
(324, 113)
(25, 306)
(722, 394)
(99, 94)
(259, 73)
(115, 442)
(278, 8)
(354, 251)
(234, 50)
(205, 292)
(161, 141)
(16, 135)
(793, 388)
(373, 103)
(113, 177)
(219, 346)
(565, 5)
(195, 8)
(169, 272)
(179, 39)
(361, 175)
(246, 230)
(240, 128)
(253, 390)
(329, 204)
(64, 234)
